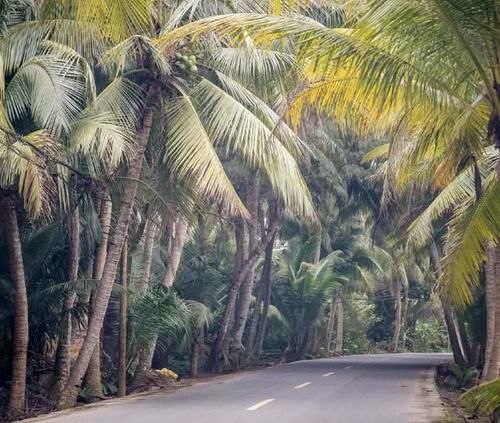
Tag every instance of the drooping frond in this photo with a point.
(458, 194)
(23, 164)
(483, 399)
(118, 19)
(251, 64)
(136, 52)
(267, 115)
(241, 132)
(470, 230)
(49, 91)
(103, 132)
(191, 155)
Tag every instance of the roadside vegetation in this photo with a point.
(192, 187)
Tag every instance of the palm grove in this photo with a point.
(206, 185)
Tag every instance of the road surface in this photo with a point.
(382, 388)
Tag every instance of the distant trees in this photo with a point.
(153, 183)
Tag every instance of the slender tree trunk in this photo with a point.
(247, 285)
(317, 246)
(149, 242)
(176, 249)
(493, 367)
(490, 294)
(237, 280)
(122, 350)
(266, 282)
(114, 252)
(451, 325)
(196, 351)
(404, 315)
(93, 381)
(105, 222)
(256, 315)
(21, 326)
(462, 330)
(330, 327)
(181, 230)
(397, 318)
(63, 359)
(339, 342)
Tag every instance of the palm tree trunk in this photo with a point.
(404, 315)
(122, 350)
(339, 341)
(149, 242)
(330, 327)
(93, 380)
(256, 315)
(397, 317)
(176, 249)
(17, 397)
(266, 282)
(113, 258)
(180, 238)
(247, 285)
(493, 367)
(317, 246)
(490, 294)
(462, 330)
(449, 318)
(238, 277)
(236, 282)
(194, 364)
(63, 359)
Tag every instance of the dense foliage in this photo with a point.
(203, 186)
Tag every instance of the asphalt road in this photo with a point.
(385, 388)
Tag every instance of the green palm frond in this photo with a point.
(23, 164)
(267, 115)
(137, 50)
(252, 64)
(241, 132)
(118, 19)
(378, 153)
(48, 90)
(483, 399)
(471, 228)
(103, 132)
(190, 154)
(459, 193)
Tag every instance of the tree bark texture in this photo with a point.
(63, 359)
(17, 397)
(122, 341)
(493, 368)
(113, 257)
(246, 288)
(178, 242)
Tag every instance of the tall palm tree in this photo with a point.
(199, 107)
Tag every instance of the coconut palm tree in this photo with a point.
(302, 292)
(194, 103)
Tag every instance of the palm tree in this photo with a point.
(301, 294)
(194, 106)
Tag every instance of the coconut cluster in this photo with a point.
(187, 63)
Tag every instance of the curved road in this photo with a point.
(382, 388)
